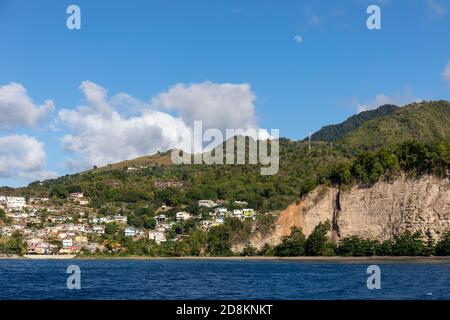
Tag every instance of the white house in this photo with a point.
(220, 211)
(162, 227)
(15, 202)
(206, 203)
(130, 232)
(119, 219)
(183, 215)
(38, 200)
(84, 202)
(98, 229)
(241, 203)
(67, 243)
(160, 218)
(76, 195)
(157, 236)
(218, 221)
(238, 213)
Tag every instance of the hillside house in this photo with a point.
(130, 232)
(183, 215)
(157, 236)
(67, 243)
(238, 214)
(220, 211)
(206, 203)
(160, 219)
(15, 203)
(249, 213)
(241, 203)
(76, 195)
(98, 229)
(162, 184)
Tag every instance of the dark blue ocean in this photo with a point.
(221, 279)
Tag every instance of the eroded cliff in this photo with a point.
(378, 212)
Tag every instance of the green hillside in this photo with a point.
(115, 187)
(418, 121)
(335, 132)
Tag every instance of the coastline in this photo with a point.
(312, 259)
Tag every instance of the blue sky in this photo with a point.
(236, 63)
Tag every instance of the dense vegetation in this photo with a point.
(418, 121)
(370, 146)
(301, 169)
(219, 241)
(414, 158)
(404, 244)
(335, 132)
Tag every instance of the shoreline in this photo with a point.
(332, 259)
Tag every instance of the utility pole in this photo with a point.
(309, 141)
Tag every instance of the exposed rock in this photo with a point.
(379, 212)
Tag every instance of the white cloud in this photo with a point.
(106, 130)
(101, 134)
(381, 99)
(18, 109)
(446, 72)
(22, 157)
(435, 8)
(298, 39)
(222, 106)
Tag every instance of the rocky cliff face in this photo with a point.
(379, 212)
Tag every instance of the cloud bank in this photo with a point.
(22, 157)
(218, 105)
(17, 108)
(106, 130)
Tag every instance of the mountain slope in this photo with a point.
(335, 132)
(418, 121)
(301, 169)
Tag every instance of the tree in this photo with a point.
(249, 250)
(443, 245)
(219, 243)
(407, 244)
(197, 242)
(14, 245)
(3, 217)
(149, 222)
(430, 247)
(292, 245)
(355, 246)
(317, 243)
(59, 192)
(111, 228)
(341, 174)
(266, 250)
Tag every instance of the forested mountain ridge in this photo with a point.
(335, 132)
(423, 121)
(301, 168)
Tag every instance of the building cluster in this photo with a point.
(49, 229)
